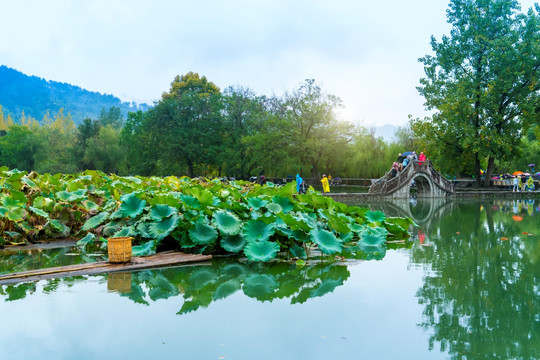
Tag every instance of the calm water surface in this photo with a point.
(467, 286)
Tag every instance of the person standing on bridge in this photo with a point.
(516, 185)
(421, 158)
(325, 185)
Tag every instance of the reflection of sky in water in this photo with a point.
(355, 320)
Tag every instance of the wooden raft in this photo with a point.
(161, 259)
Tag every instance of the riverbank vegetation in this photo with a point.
(192, 215)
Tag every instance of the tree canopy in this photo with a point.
(483, 84)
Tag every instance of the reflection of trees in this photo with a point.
(482, 296)
(202, 284)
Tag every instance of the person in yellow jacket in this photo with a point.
(325, 185)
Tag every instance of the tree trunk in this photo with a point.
(489, 171)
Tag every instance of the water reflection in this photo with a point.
(200, 285)
(481, 291)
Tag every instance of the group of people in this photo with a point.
(519, 182)
(404, 160)
(301, 186)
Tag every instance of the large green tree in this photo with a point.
(483, 82)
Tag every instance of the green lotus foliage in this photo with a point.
(256, 202)
(95, 221)
(86, 240)
(233, 244)
(375, 216)
(327, 242)
(261, 250)
(146, 249)
(227, 223)
(131, 205)
(275, 208)
(256, 230)
(200, 215)
(160, 230)
(159, 212)
(203, 234)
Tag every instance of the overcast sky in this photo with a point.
(365, 52)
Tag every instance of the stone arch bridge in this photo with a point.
(421, 175)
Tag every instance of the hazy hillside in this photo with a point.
(34, 96)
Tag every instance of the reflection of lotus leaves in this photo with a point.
(234, 270)
(227, 288)
(161, 288)
(327, 286)
(201, 277)
(260, 287)
(372, 249)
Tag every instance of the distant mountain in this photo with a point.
(34, 96)
(386, 132)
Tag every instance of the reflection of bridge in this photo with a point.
(423, 211)
(429, 183)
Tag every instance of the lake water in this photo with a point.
(466, 286)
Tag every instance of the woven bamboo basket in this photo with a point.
(119, 249)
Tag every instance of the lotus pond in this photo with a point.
(466, 285)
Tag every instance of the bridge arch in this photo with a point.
(428, 181)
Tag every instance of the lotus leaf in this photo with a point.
(337, 224)
(13, 234)
(131, 205)
(298, 252)
(126, 231)
(190, 202)
(346, 237)
(327, 242)
(295, 223)
(148, 248)
(233, 244)
(256, 202)
(369, 238)
(26, 227)
(38, 212)
(95, 221)
(261, 250)
(16, 214)
(43, 203)
(18, 195)
(227, 223)
(375, 216)
(256, 230)
(160, 230)
(274, 208)
(205, 197)
(59, 227)
(203, 234)
(159, 212)
(284, 202)
(90, 205)
(86, 240)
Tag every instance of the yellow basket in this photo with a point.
(119, 249)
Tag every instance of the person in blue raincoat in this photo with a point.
(299, 182)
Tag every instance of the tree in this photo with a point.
(184, 128)
(18, 147)
(112, 117)
(316, 134)
(244, 113)
(104, 151)
(483, 81)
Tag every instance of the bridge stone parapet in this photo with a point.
(428, 182)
